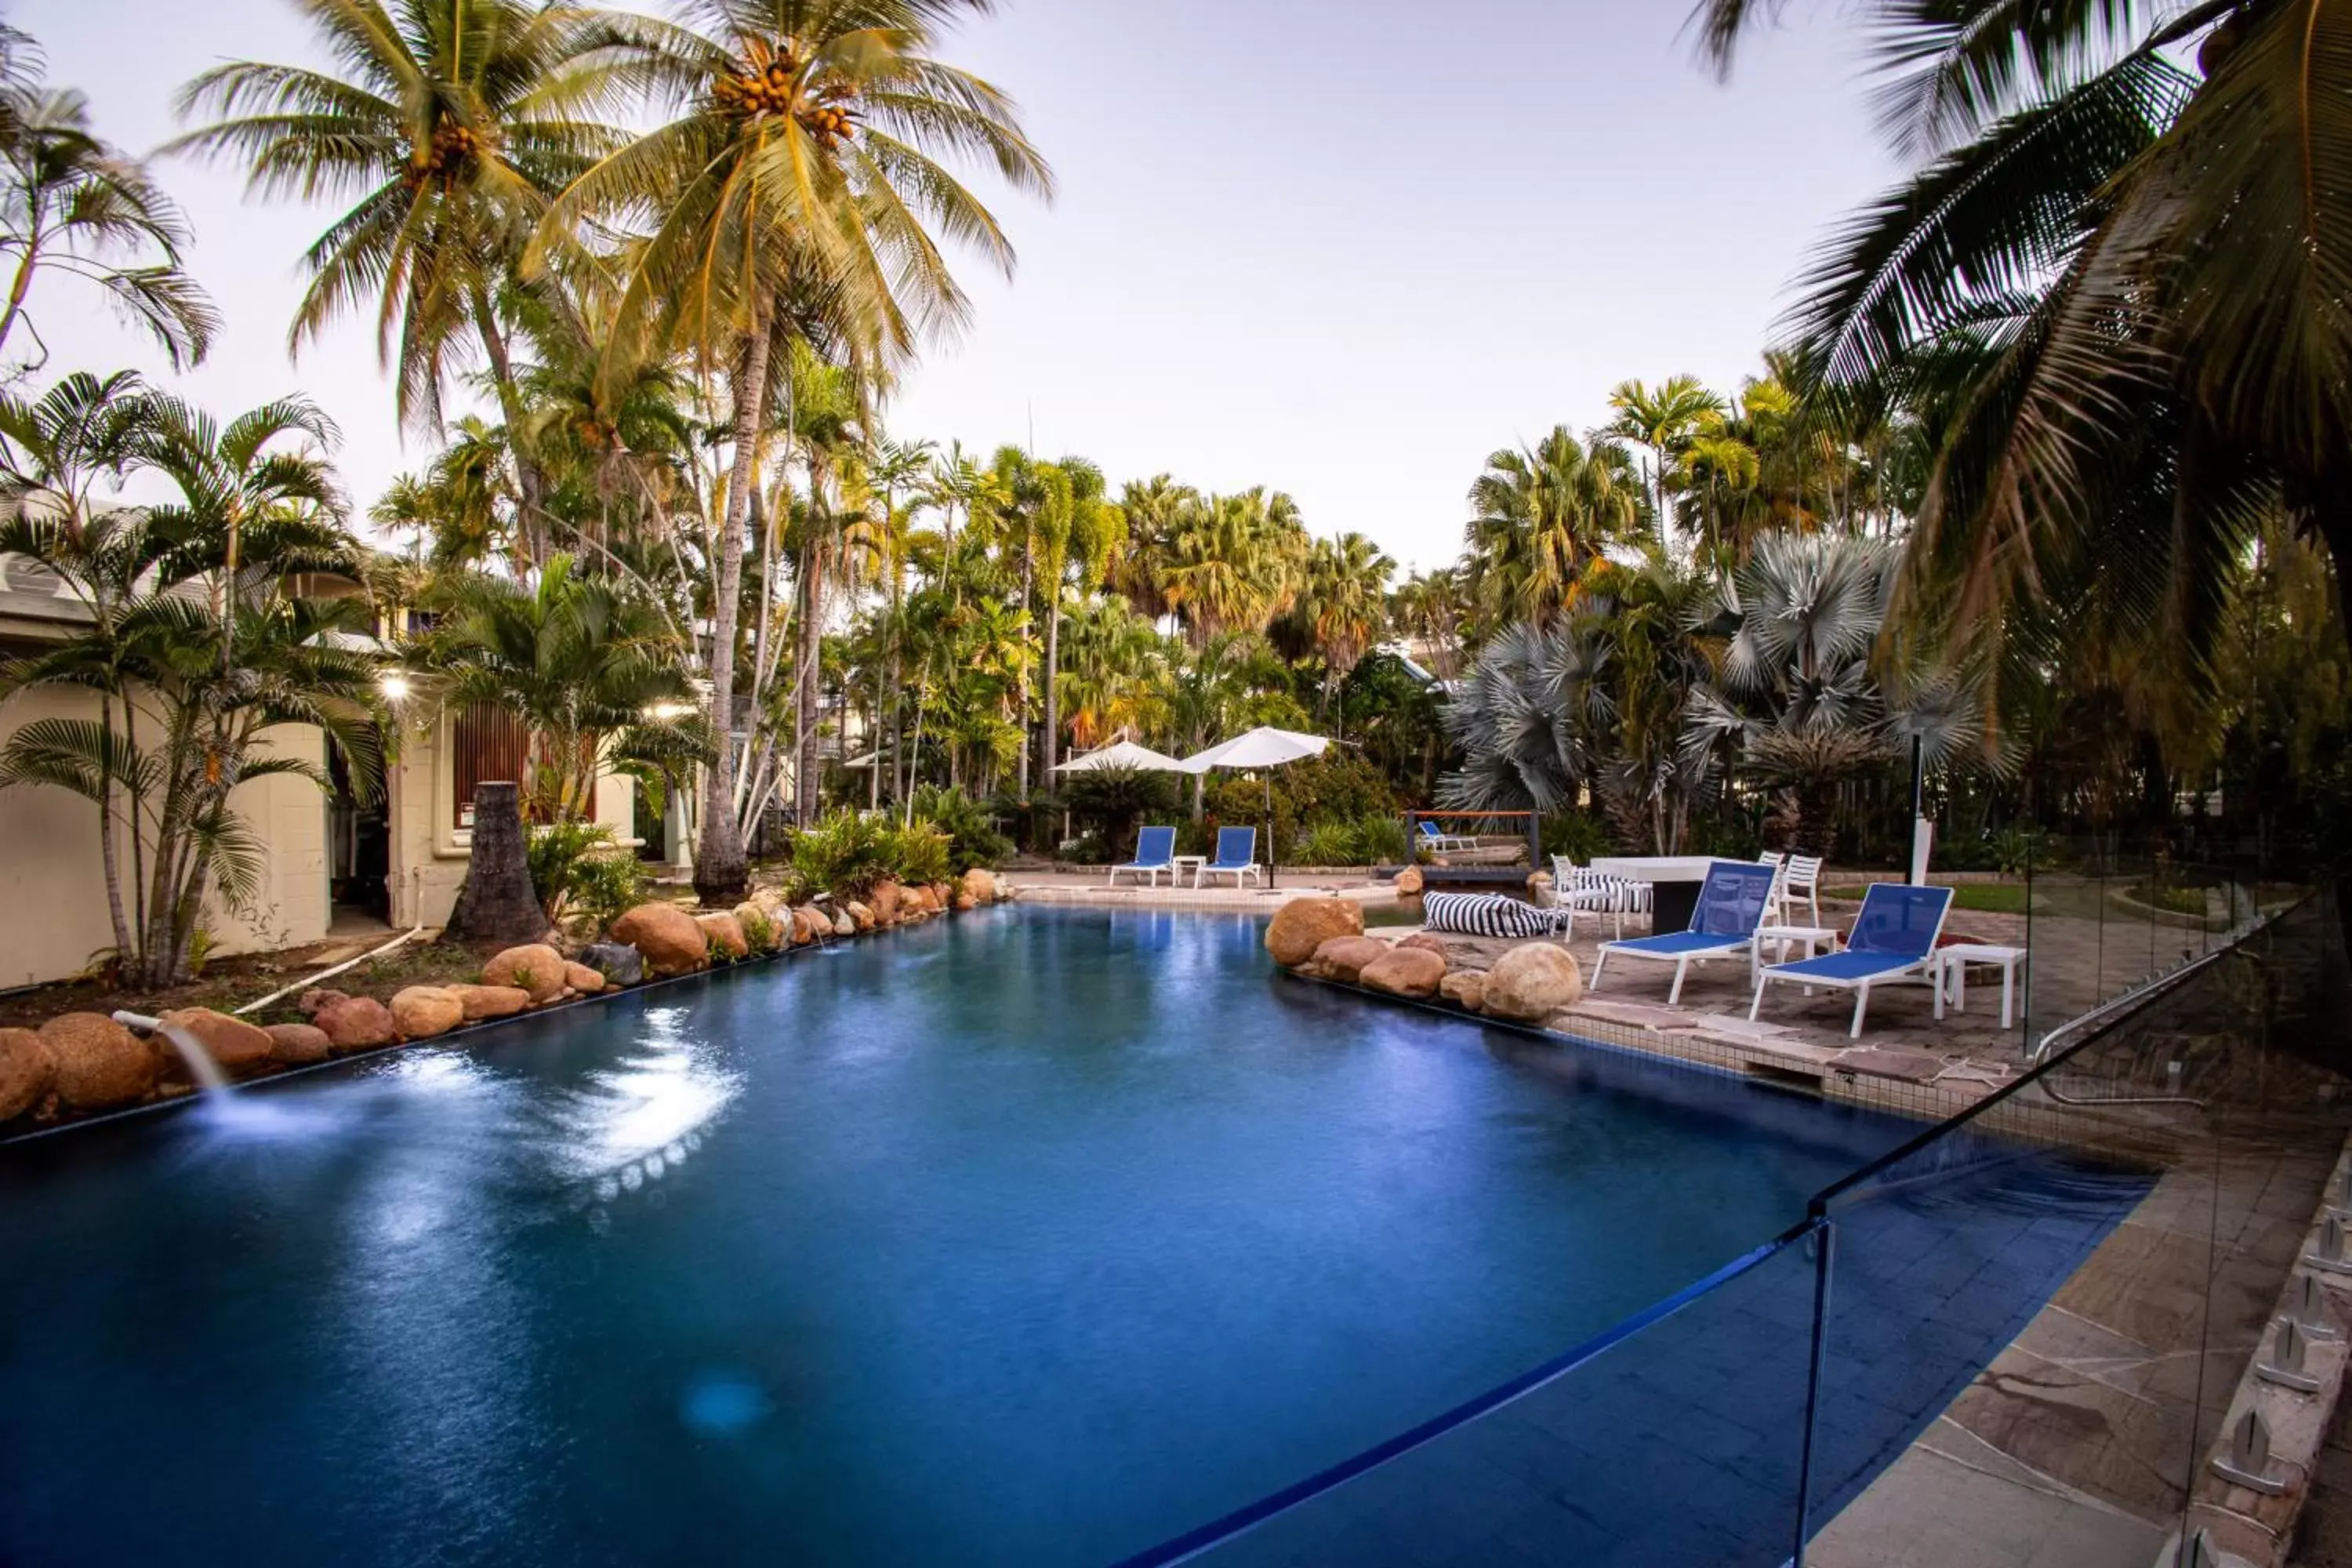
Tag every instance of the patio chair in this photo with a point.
(1236, 857)
(1731, 905)
(1155, 851)
(1579, 889)
(1428, 837)
(1800, 877)
(1892, 942)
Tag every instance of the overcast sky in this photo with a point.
(1342, 249)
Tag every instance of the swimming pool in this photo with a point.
(1031, 1238)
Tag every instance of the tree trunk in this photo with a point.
(529, 481)
(1028, 586)
(805, 678)
(497, 903)
(720, 870)
(1053, 692)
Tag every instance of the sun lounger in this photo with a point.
(1892, 942)
(1155, 851)
(1731, 905)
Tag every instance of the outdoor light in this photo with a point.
(668, 710)
(395, 684)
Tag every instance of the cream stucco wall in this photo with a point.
(429, 854)
(53, 906)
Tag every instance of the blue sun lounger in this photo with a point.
(1155, 851)
(1237, 857)
(1893, 942)
(1731, 905)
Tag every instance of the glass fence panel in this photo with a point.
(1679, 1443)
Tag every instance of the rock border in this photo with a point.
(1006, 894)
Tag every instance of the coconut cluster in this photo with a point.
(452, 146)
(765, 89)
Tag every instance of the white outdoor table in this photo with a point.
(1675, 881)
(1183, 861)
(1952, 964)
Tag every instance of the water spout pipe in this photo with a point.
(139, 1021)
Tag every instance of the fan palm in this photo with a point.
(71, 204)
(2123, 280)
(1236, 563)
(801, 175)
(1345, 603)
(1541, 517)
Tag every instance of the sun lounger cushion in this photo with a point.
(1486, 914)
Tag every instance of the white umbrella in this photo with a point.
(1125, 754)
(1263, 747)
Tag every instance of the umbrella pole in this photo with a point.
(1269, 827)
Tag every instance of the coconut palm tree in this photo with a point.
(1541, 517)
(1662, 420)
(72, 206)
(798, 187)
(449, 127)
(1433, 609)
(2121, 277)
(1080, 529)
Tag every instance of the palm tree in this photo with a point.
(1542, 517)
(1236, 563)
(1662, 421)
(72, 204)
(1345, 603)
(1158, 511)
(1804, 699)
(578, 660)
(797, 189)
(1080, 529)
(452, 123)
(164, 597)
(1433, 609)
(2119, 279)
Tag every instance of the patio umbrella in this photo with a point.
(1263, 748)
(1124, 754)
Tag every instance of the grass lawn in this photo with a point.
(1979, 898)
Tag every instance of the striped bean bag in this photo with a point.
(1486, 914)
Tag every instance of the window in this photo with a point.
(486, 743)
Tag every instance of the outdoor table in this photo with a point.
(1813, 939)
(1675, 881)
(1194, 861)
(1952, 969)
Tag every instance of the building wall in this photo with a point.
(429, 852)
(54, 920)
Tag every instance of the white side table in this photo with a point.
(1952, 966)
(1182, 861)
(1813, 939)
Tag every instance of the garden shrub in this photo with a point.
(972, 838)
(580, 868)
(1579, 834)
(844, 854)
(919, 853)
(759, 931)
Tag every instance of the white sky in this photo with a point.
(1341, 247)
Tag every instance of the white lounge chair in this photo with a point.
(1892, 942)
(1731, 905)
(1155, 851)
(1428, 837)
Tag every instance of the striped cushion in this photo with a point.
(1486, 914)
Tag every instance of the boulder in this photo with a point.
(943, 895)
(617, 961)
(100, 1063)
(980, 884)
(1344, 957)
(860, 914)
(28, 1072)
(1426, 942)
(769, 901)
(843, 925)
(238, 1049)
(758, 929)
(884, 900)
(1410, 882)
(357, 1023)
(310, 1001)
(479, 1002)
(1532, 982)
(532, 967)
(298, 1045)
(1465, 988)
(424, 1011)
(722, 930)
(966, 901)
(665, 937)
(1412, 972)
(1302, 925)
(582, 979)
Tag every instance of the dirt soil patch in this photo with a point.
(229, 984)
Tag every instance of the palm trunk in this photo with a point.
(527, 478)
(1028, 587)
(805, 678)
(107, 855)
(1052, 687)
(721, 869)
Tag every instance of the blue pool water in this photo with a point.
(1031, 1238)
